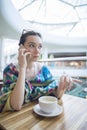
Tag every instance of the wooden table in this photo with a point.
(74, 117)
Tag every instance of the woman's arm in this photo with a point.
(17, 96)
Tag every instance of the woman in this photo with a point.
(30, 79)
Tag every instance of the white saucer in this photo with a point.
(57, 112)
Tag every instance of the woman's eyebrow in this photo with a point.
(31, 43)
(34, 43)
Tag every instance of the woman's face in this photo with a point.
(34, 45)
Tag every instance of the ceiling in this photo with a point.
(54, 31)
(55, 17)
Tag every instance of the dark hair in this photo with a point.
(25, 34)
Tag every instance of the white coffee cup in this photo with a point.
(48, 104)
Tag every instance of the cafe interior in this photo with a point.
(63, 26)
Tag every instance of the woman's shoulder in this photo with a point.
(10, 67)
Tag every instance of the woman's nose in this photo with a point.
(37, 50)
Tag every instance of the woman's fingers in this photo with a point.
(66, 82)
(25, 52)
(21, 47)
(77, 80)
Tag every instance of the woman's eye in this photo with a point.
(31, 46)
(40, 46)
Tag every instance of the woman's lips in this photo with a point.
(35, 56)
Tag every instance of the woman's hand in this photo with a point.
(66, 84)
(22, 54)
